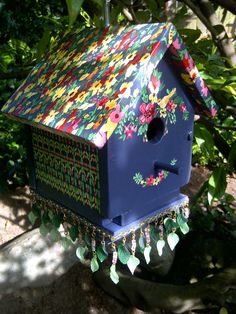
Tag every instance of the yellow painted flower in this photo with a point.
(78, 57)
(115, 58)
(89, 126)
(28, 88)
(125, 89)
(67, 107)
(61, 54)
(59, 123)
(83, 77)
(50, 116)
(105, 58)
(153, 98)
(130, 56)
(59, 92)
(163, 113)
(92, 47)
(111, 81)
(42, 79)
(96, 87)
(144, 58)
(110, 104)
(130, 70)
(81, 97)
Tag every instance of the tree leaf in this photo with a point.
(160, 247)
(101, 253)
(80, 252)
(172, 240)
(216, 184)
(133, 262)
(94, 264)
(73, 7)
(113, 274)
(146, 253)
(123, 253)
(204, 139)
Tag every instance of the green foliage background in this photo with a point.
(29, 28)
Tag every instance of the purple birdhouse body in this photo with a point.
(110, 115)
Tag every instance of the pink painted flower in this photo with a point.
(161, 175)
(150, 180)
(183, 108)
(148, 113)
(176, 44)
(129, 129)
(116, 116)
(204, 88)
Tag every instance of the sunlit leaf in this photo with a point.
(73, 7)
(216, 184)
(94, 264)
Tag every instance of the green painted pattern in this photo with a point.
(69, 167)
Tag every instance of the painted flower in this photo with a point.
(176, 44)
(163, 113)
(125, 89)
(96, 87)
(110, 81)
(150, 180)
(161, 175)
(128, 130)
(183, 108)
(116, 116)
(111, 104)
(171, 106)
(59, 92)
(50, 117)
(154, 85)
(144, 58)
(204, 88)
(148, 113)
(81, 96)
(130, 70)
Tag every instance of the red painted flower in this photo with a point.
(128, 130)
(150, 180)
(148, 113)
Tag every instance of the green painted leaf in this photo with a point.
(101, 253)
(94, 264)
(216, 184)
(182, 222)
(32, 217)
(160, 247)
(172, 240)
(55, 235)
(43, 229)
(123, 253)
(146, 253)
(113, 274)
(133, 262)
(80, 252)
(141, 244)
(73, 232)
(66, 243)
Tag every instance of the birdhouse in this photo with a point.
(110, 116)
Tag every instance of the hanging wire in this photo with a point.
(107, 13)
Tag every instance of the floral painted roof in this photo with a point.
(94, 78)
